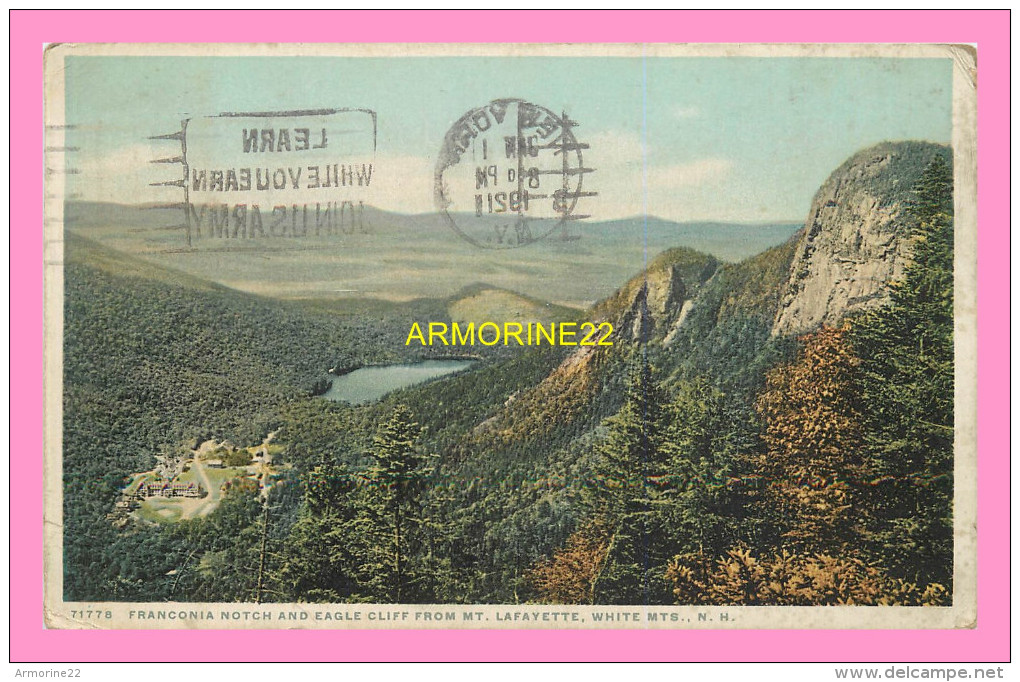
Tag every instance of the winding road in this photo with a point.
(210, 501)
(205, 505)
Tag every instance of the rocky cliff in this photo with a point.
(856, 237)
(651, 303)
(731, 322)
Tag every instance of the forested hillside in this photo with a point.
(154, 358)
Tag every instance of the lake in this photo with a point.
(371, 383)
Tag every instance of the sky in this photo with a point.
(682, 138)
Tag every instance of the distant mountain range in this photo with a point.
(399, 257)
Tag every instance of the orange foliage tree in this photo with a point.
(813, 465)
(791, 579)
(570, 575)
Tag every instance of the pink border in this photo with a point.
(988, 29)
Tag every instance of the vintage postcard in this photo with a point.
(510, 336)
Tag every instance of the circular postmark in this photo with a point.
(510, 173)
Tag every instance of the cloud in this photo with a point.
(677, 191)
(697, 173)
(623, 164)
(687, 112)
(124, 175)
(403, 183)
(399, 183)
(613, 148)
(622, 155)
(617, 157)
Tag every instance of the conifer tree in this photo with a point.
(906, 350)
(627, 495)
(324, 556)
(398, 481)
(702, 439)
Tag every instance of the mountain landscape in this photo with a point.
(397, 257)
(772, 424)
